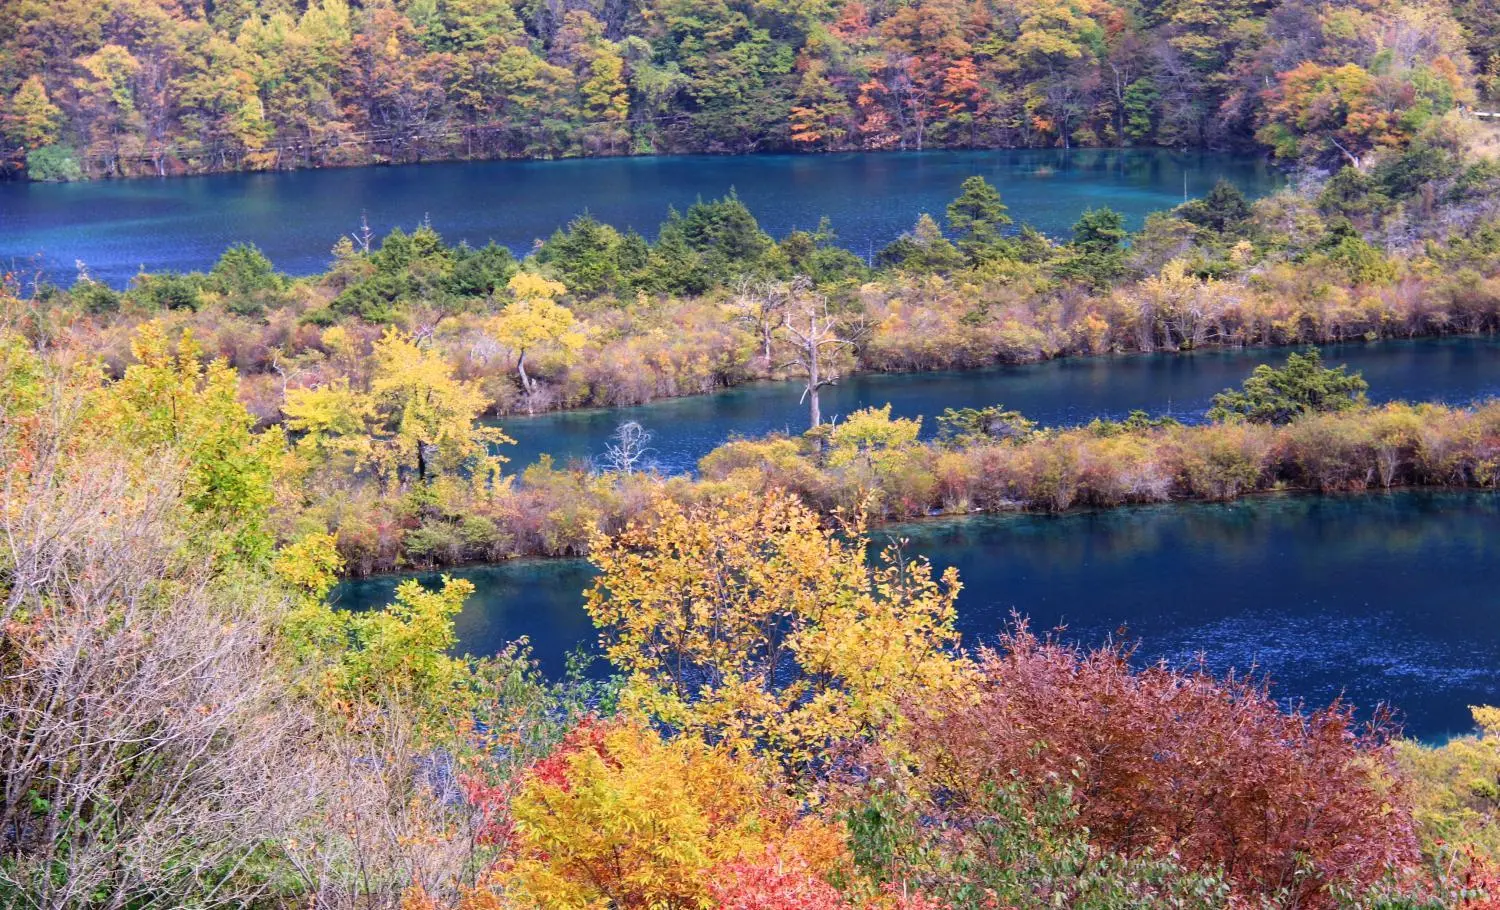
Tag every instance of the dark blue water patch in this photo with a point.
(119, 227)
(541, 599)
(1379, 598)
(1055, 393)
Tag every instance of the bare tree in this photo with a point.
(628, 448)
(815, 334)
(393, 818)
(762, 305)
(364, 237)
(150, 752)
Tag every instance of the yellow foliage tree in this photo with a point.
(333, 423)
(169, 404)
(427, 417)
(750, 622)
(535, 319)
(620, 818)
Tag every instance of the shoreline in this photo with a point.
(1212, 348)
(18, 174)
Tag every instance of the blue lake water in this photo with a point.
(1378, 598)
(1058, 392)
(118, 227)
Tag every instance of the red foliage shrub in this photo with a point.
(773, 883)
(787, 883)
(1178, 760)
(1480, 884)
(588, 736)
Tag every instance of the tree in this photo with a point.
(814, 333)
(922, 249)
(965, 426)
(427, 419)
(168, 402)
(976, 217)
(1224, 211)
(749, 622)
(332, 425)
(628, 448)
(1097, 250)
(535, 319)
(1302, 386)
(31, 120)
(587, 256)
(763, 305)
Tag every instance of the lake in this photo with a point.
(1057, 392)
(1380, 597)
(118, 227)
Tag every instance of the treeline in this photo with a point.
(189, 724)
(595, 316)
(132, 87)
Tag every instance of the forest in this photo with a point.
(98, 88)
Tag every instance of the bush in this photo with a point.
(1161, 759)
(167, 291)
(53, 164)
(1302, 386)
(95, 297)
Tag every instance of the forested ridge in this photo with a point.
(132, 87)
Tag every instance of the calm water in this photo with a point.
(1058, 392)
(1381, 598)
(119, 227)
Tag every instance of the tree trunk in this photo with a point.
(527, 386)
(521, 368)
(814, 408)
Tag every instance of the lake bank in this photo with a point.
(1063, 391)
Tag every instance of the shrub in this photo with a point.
(53, 164)
(1302, 386)
(1456, 788)
(1161, 759)
(95, 297)
(618, 816)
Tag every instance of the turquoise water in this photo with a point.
(1379, 598)
(118, 227)
(1058, 392)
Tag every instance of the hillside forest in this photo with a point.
(138, 87)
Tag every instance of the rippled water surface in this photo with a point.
(1379, 598)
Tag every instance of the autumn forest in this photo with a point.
(762, 497)
(135, 87)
